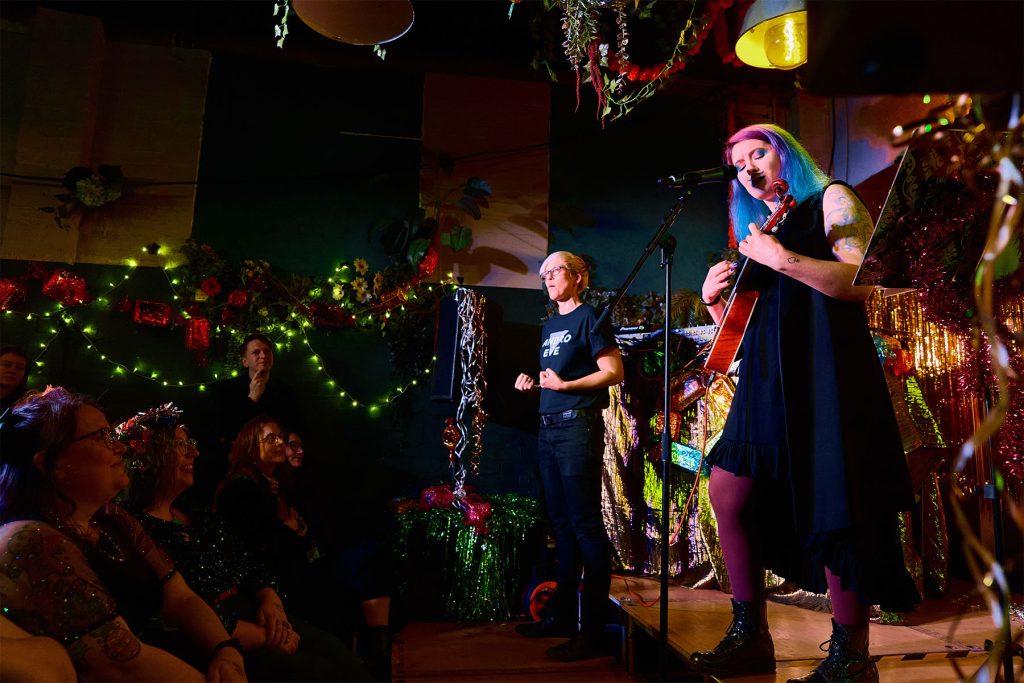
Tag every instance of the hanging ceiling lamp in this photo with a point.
(356, 22)
(774, 34)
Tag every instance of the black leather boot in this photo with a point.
(848, 660)
(747, 646)
(375, 651)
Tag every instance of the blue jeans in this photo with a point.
(570, 455)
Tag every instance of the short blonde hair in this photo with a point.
(576, 265)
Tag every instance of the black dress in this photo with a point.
(215, 564)
(813, 422)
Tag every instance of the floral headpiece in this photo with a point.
(137, 432)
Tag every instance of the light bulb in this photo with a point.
(785, 42)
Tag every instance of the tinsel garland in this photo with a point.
(472, 360)
(479, 574)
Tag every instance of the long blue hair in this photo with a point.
(805, 177)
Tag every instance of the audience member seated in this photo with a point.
(358, 557)
(75, 567)
(273, 530)
(25, 658)
(14, 365)
(214, 562)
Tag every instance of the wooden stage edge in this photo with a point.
(954, 627)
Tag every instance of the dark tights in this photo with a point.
(731, 498)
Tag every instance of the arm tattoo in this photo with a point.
(793, 259)
(848, 226)
(118, 643)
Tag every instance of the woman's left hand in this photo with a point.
(226, 667)
(764, 249)
(272, 618)
(549, 379)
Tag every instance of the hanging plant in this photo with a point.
(620, 83)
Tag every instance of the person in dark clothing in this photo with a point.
(579, 361)
(251, 501)
(236, 402)
(214, 562)
(809, 475)
(79, 569)
(14, 367)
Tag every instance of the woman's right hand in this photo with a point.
(526, 384)
(717, 280)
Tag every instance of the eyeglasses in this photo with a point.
(184, 443)
(546, 275)
(273, 438)
(295, 445)
(107, 433)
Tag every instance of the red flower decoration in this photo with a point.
(238, 298)
(210, 287)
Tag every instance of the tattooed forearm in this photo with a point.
(793, 259)
(117, 642)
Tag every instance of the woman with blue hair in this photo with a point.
(809, 474)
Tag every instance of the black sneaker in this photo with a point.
(575, 649)
(546, 628)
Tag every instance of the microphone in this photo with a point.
(708, 175)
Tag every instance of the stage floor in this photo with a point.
(925, 647)
(922, 650)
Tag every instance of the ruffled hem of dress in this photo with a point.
(875, 581)
(750, 459)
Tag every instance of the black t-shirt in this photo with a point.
(570, 346)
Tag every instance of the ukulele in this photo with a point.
(740, 307)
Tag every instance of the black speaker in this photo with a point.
(446, 349)
(908, 46)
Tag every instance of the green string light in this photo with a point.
(145, 371)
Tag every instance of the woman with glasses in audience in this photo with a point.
(251, 501)
(214, 562)
(77, 568)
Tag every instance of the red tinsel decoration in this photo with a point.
(155, 313)
(436, 496)
(123, 305)
(197, 334)
(67, 288)
(476, 511)
(11, 291)
(327, 315)
(227, 315)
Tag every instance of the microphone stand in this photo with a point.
(668, 245)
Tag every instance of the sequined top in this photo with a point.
(212, 560)
(59, 586)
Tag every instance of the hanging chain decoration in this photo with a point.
(472, 361)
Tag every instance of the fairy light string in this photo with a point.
(369, 317)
